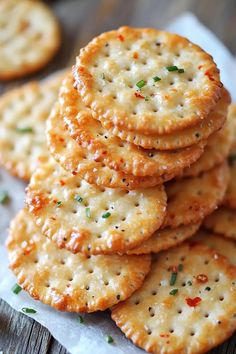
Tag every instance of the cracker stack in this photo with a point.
(141, 107)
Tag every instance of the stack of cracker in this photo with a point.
(139, 140)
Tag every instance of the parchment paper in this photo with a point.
(90, 336)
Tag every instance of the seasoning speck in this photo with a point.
(28, 310)
(4, 197)
(16, 289)
(109, 339)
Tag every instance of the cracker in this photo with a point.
(104, 221)
(225, 246)
(185, 137)
(29, 37)
(66, 281)
(109, 68)
(222, 221)
(164, 239)
(216, 151)
(114, 152)
(23, 114)
(79, 161)
(193, 315)
(190, 200)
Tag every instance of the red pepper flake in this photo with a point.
(138, 95)
(193, 302)
(135, 55)
(62, 183)
(199, 67)
(202, 278)
(74, 173)
(208, 74)
(164, 335)
(173, 269)
(121, 38)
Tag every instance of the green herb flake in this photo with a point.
(78, 198)
(173, 278)
(146, 98)
(141, 84)
(80, 319)
(16, 289)
(189, 283)
(180, 267)
(173, 292)
(4, 197)
(106, 215)
(232, 159)
(28, 310)
(172, 68)
(59, 203)
(88, 212)
(208, 288)
(109, 339)
(156, 78)
(24, 130)
(103, 76)
(180, 71)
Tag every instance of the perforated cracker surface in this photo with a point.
(191, 312)
(118, 76)
(91, 219)
(29, 37)
(222, 221)
(70, 282)
(23, 112)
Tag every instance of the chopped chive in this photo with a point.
(189, 283)
(146, 98)
(141, 83)
(88, 212)
(28, 310)
(59, 203)
(173, 278)
(16, 289)
(103, 76)
(24, 130)
(4, 197)
(208, 288)
(232, 159)
(80, 319)
(180, 267)
(109, 339)
(173, 292)
(172, 68)
(78, 198)
(156, 78)
(180, 71)
(106, 215)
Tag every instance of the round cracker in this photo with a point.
(30, 37)
(198, 316)
(69, 282)
(223, 245)
(186, 137)
(114, 152)
(190, 200)
(79, 161)
(222, 221)
(107, 74)
(165, 239)
(216, 151)
(105, 221)
(24, 111)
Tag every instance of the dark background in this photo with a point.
(80, 21)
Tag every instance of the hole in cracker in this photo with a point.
(149, 332)
(206, 262)
(124, 218)
(192, 333)
(106, 282)
(137, 302)
(63, 261)
(182, 258)
(206, 315)
(118, 273)
(217, 279)
(190, 79)
(90, 271)
(171, 330)
(221, 298)
(179, 311)
(128, 68)
(154, 292)
(87, 287)
(183, 283)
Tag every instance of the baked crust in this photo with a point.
(106, 74)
